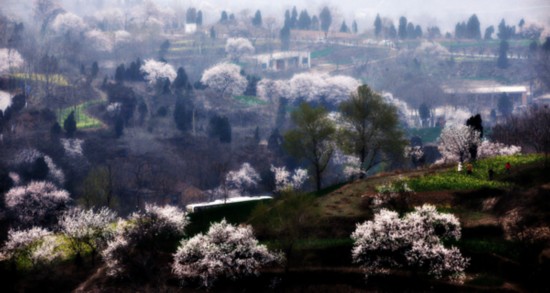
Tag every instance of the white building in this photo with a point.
(281, 61)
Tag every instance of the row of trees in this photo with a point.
(367, 127)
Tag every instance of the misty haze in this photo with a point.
(274, 146)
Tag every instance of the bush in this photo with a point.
(225, 251)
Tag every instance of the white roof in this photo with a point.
(282, 55)
(229, 200)
(483, 87)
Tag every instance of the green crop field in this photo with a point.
(56, 79)
(83, 120)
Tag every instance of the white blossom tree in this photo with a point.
(238, 47)
(288, 181)
(99, 40)
(489, 149)
(225, 251)
(273, 90)
(455, 142)
(225, 78)
(414, 241)
(137, 241)
(9, 59)
(36, 203)
(155, 70)
(338, 88)
(307, 86)
(244, 178)
(68, 23)
(87, 229)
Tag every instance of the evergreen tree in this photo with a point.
(475, 123)
(70, 125)
(182, 113)
(219, 127)
(502, 61)
(212, 33)
(354, 27)
(304, 21)
(377, 25)
(224, 18)
(392, 32)
(505, 105)
(257, 20)
(411, 34)
(120, 73)
(344, 27)
(402, 29)
(315, 23)
(181, 82)
(417, 31)
(326, 20)
(95, 70)
(199, 18)
(489, 33)
(294, 18)
(473, 30)
(285, 38)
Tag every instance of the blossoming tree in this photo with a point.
(225, 78)
(225, 251)
(414, 242)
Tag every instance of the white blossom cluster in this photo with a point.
(72, 146)
(430, 49)
(391, 193)
(225, 251)
(288, 181)
(489, 149)
(273, 90)
(114, 108)
(19, 242)
(311, 87)
(244, 178)
(36, 202)
(350, 164)
(27, 157)
(155, 70)
(68, 22)
(455, 142)
(238, 47)
(87, 227)
(99, 40)
(402, 107)
(452, 115)
(225, 78)
(9, 59)
(144, 227)
(414, 241)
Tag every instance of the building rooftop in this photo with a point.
(483, 87)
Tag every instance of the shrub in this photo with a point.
(414, 241)
(225, 251)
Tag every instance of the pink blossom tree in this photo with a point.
(225, 78)
(414, 242)
(224, 252)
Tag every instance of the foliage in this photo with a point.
(225, 78)
(70, 125)
(312, 139)
(325, 18)
(370, 128)
(414, 241)
(285, 181)
(225, 251)
(37, 203)
(21, 243)
(219, 127)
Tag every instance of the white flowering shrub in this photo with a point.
(288, 181)
(455, 142)
(339, 88)
(225, 251)
(10, 59)
(155, 70)
(99, 40)
(244, 178)
(87, 229)
(25, 160)
(238, 47)
(226, 79)
(489, 149)
(414, 242)
(307, 86)
(68, 22)
(139, 240)
(36, 245)
(37, 203)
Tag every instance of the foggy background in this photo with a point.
(445, 14)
